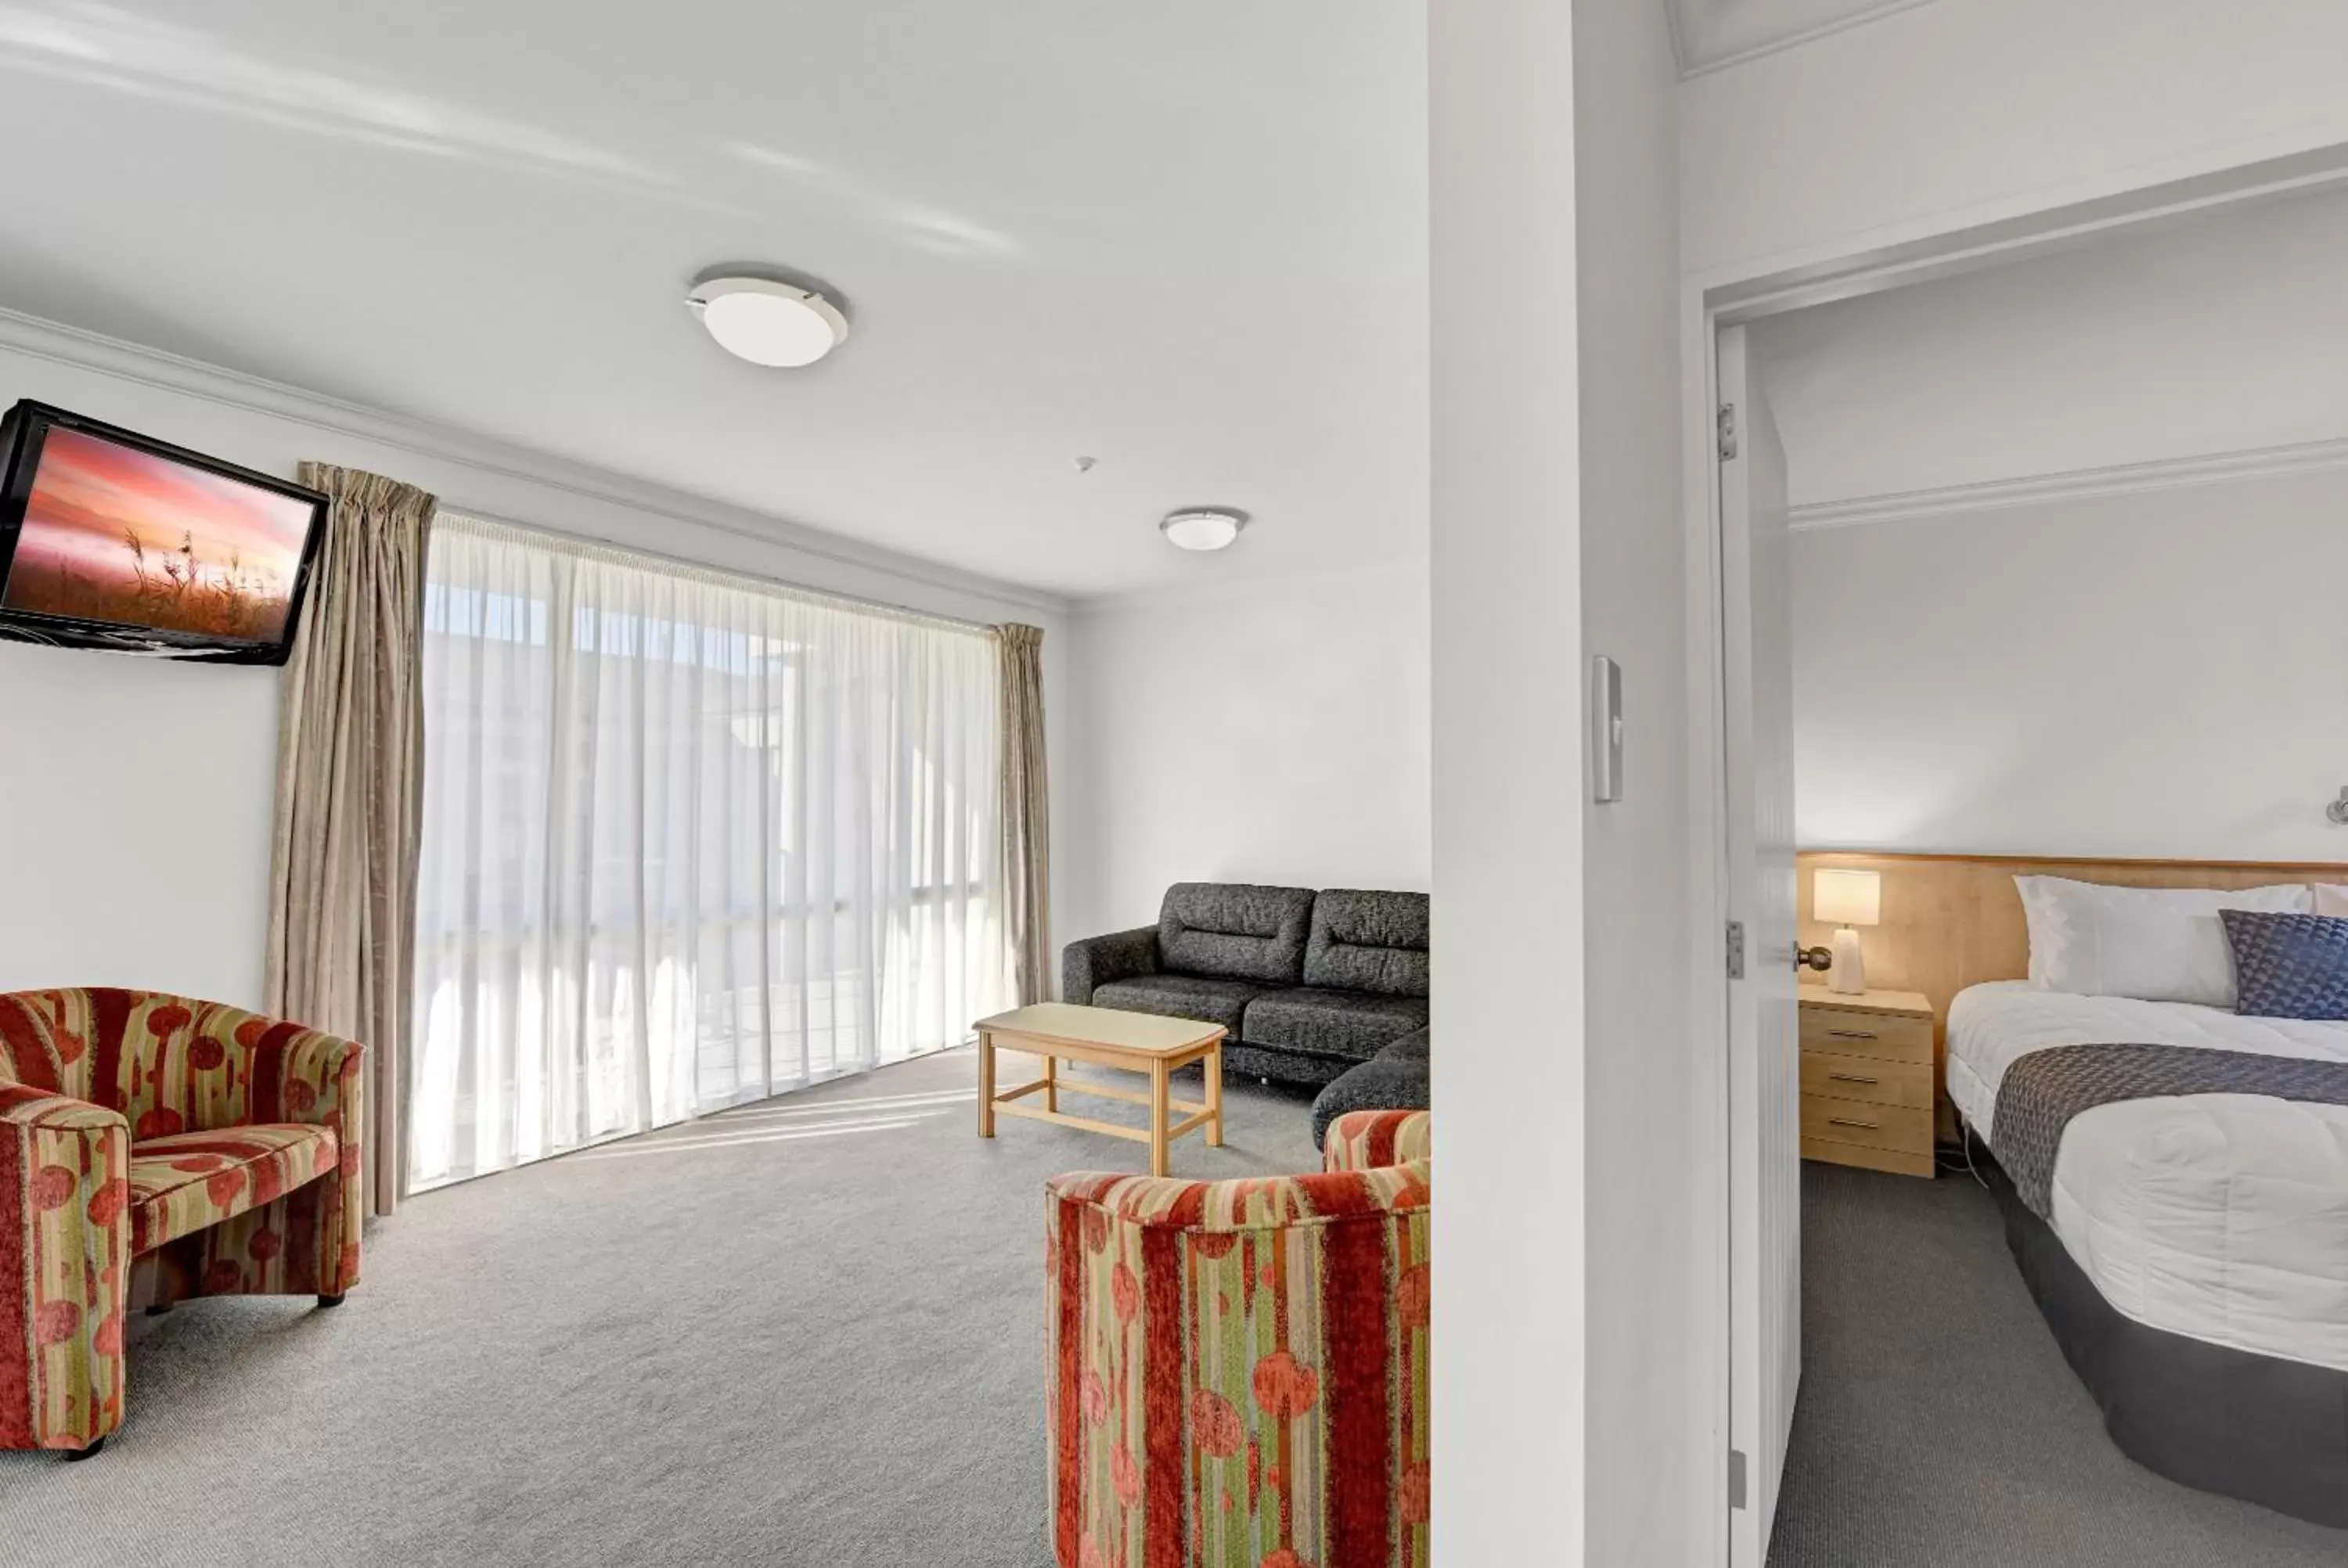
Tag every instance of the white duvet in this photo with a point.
(2224, 1216)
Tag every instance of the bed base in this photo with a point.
(2259, 1427)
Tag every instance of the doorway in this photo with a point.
(1747, 890)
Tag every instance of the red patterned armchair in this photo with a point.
(153, 1149)
(1237, 1370)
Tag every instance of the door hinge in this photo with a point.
(1735, 1479)
(1727, 431)
(1736, 949)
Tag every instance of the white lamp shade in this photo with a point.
(1848, 897)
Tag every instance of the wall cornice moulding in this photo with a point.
(2078, 484)
(95, 352)
(1682, 42)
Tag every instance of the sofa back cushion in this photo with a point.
(1235, 930)
(1366, 941)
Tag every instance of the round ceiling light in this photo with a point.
(1203, 527)
(768, 322)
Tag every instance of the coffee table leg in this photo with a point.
(1215, 1098)
(985, 1085)
(1158, 1113)
(1051, 1083)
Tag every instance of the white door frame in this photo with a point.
(1932, 247)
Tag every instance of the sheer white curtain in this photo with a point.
(689, 840)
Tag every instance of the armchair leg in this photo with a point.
(75, 1456)
(333, 1300)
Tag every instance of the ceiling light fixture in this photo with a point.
(767, 322)
(1203, 527)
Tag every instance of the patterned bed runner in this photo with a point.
(2043, 1091)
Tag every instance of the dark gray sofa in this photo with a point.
(1313, 987)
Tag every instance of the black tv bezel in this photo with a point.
(23, 431)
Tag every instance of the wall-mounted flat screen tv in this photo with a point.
(112, 539)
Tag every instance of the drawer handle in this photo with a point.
(1852, 1077)
(1852, 1033)
(1847, 1122)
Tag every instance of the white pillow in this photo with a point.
(2331, 898)
(2156, 944)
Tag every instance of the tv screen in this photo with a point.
(111, 540)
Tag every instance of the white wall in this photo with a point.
(1273, 732)
(2157, 674)
(136, 796)
(1654, 1465)
(2225, 333)
(1967, 111)
(1510, 1323)
(1570, 1420)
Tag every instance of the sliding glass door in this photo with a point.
(689, 840)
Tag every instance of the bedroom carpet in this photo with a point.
(1939, 1426)
(807, 1332)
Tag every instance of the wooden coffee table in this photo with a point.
(1138, 1042)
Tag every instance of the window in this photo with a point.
(688, 840)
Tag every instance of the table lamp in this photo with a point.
(1847, 899)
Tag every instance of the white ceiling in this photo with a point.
(1715, 33)
(1188, 241)
(2219, 336)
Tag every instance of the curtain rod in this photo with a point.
(590, 547)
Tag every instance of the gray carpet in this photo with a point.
(804, 1333)
(1939, 1424)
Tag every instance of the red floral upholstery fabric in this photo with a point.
(1238, 1370)
(186, 1181)
(1366, 1139)
(96, 1086)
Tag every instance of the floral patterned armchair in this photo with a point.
(1238, 1370)
(153, 1149)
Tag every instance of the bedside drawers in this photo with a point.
(1868, 1080)
(1903, 1084)
(1846, 1030)
(1854, 1132)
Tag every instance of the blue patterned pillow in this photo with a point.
(2288, 965)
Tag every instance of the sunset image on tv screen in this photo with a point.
(115, 534)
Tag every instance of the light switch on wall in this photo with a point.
(1606, 729)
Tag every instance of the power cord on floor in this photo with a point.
(1966, 1137)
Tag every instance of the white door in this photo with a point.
(1764, 1052)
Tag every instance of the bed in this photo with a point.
(2192, 1254)
(2188, 1249)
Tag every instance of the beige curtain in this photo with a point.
(350, 765)
(1027, 813)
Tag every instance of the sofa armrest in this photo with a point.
(25, 1110)
(64, 1232)
(296, 1074)
(1098, 960)
(1369, 1140)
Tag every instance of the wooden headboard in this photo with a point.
(1954, 921)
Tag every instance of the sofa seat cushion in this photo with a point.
(1201, 996)
(186, 1181)
(1351, 1024)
